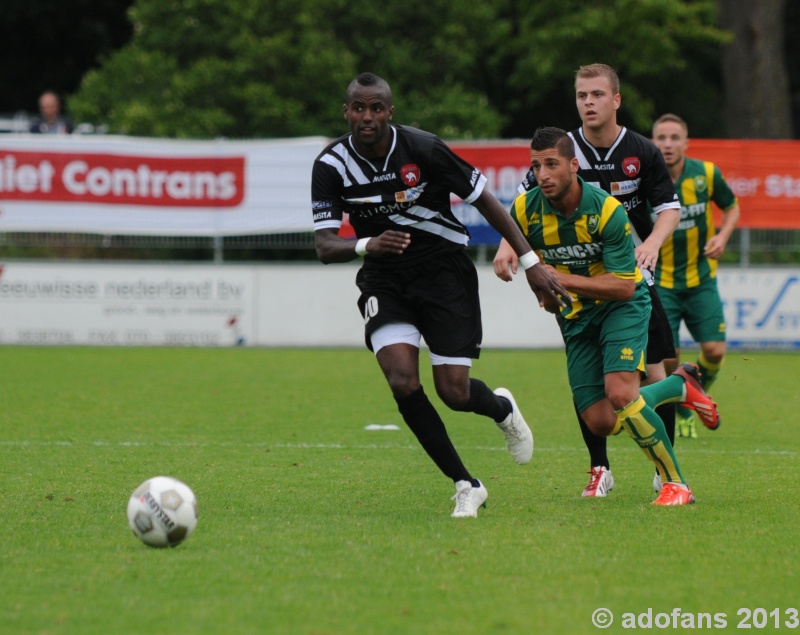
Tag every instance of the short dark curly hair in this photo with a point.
(368, 79)
(550, 137)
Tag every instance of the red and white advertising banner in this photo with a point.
(764, 175)
(128, 185)
(125, 185)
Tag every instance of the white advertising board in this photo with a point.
(127, 304)
(122, 305)
(762, 308)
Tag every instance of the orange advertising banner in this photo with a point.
(764, 175)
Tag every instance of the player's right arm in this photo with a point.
(666, 222)
(328, 212)
(333, 248)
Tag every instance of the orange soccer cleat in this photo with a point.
(674, 494)
(696, 397)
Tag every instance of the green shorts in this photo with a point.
(613, 337)
(699, 307)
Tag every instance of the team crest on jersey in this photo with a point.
(592, 223)
(700, 184)
(410, 174)
(631, 166)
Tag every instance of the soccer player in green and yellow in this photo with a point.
(584, 233)
(687, 268)
(629, 167)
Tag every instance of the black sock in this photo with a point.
(426, 424)
(596, 445)
(667, 413)
(482, 401)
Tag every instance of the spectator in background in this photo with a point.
(50, 119)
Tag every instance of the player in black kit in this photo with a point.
(417, 279)
(627, 166)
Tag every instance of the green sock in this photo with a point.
(708, 371)
(683, 412)
(664, 391)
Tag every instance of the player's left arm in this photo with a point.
(726, 200)
(618, 280)
(715, 246)
(607, 286)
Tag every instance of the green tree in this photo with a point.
(211, 68)
(278, 68)
(662, 49)
(431, 53)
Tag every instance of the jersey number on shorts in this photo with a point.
(370, 308)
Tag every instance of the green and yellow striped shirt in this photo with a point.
(681, 263)
(594, 240)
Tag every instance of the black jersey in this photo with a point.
(632, 171)
(408, 190)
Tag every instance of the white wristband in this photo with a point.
(527, 261)
(361, 246)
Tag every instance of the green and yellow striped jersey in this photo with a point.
(594, 240)
(681, 263)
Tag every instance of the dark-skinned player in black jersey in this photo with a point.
(629, 167)
(417, 279)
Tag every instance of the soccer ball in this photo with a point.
(162, 512)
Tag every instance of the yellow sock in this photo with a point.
(646, 428)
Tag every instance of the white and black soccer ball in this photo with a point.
(162, 512)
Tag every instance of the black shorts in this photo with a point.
(439, 297)
(659, 334)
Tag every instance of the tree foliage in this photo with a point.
(50, 44)
(279, 68)
(758, 45)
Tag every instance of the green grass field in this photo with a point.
(310, 524)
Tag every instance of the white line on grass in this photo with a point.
(358, 446)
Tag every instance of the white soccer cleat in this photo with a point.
(468, 499)
(600, 483)
(519, 438)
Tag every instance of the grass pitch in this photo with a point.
(311, 524)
